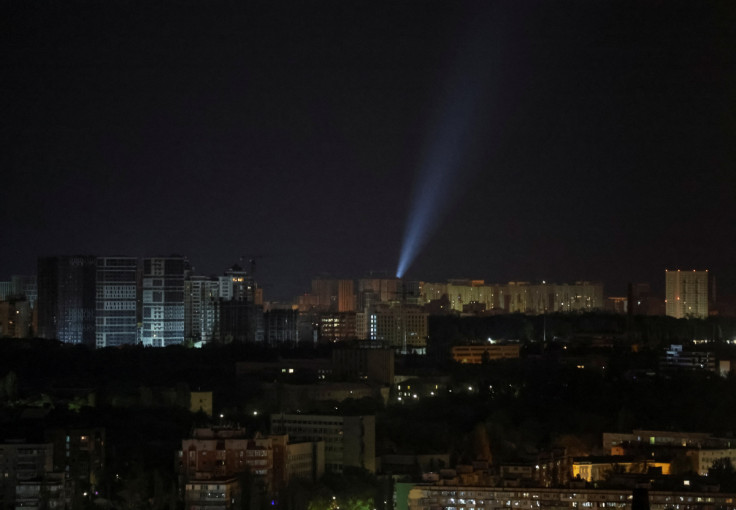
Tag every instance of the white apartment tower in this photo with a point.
(163, 301)
(116, 319)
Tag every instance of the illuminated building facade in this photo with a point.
(116, 317)
(67, 299)
(334, 327)
(686, 294)
(163, 301)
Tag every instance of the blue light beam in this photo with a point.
(443, 171)
(445, 168)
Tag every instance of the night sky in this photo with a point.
(582, 140)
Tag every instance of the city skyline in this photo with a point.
(248, 268)
(573, 142)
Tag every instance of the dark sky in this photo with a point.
(600, 143)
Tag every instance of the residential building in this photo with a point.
(22, 462)
(686, 294)
(281, 326)
(221, 493)
(220, 453)
(615, 440)
(67, 299)
(305, 460)
(20, 287)
(462, 497)
(377, 290)
(402, 327)
(349, 440)
(675, 358)
(16, 318)
(201, 309)
(116, 301)
(598, 468)
(80, 455)
(287, 397)
(477, 296)
(374, 365)
(337, 326)
(703, 458)
(345, 296)
(238, 285)
(477, 353)
(163, 301)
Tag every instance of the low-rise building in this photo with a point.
(477, 353)
(22, 462)
(222, 453)
(349, 440)
(703, 459)
(215, 493)
(374, 365)
(445, 497)
(596, 469)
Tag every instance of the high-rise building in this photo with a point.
(25, 285)
(117, 283)
(384, 289)
(66, 298)
(326, 291)
(6, 290)
(401, 327)
(281, 326)
(686, 293)
(338, 326)
(345, 296)
(201, 309)
(240, 308)
(163, 301)
(16, 318)
(238, 284)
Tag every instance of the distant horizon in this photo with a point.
(656, 286)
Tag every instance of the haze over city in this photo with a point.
(573, 141)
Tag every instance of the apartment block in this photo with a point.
(349, 440)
